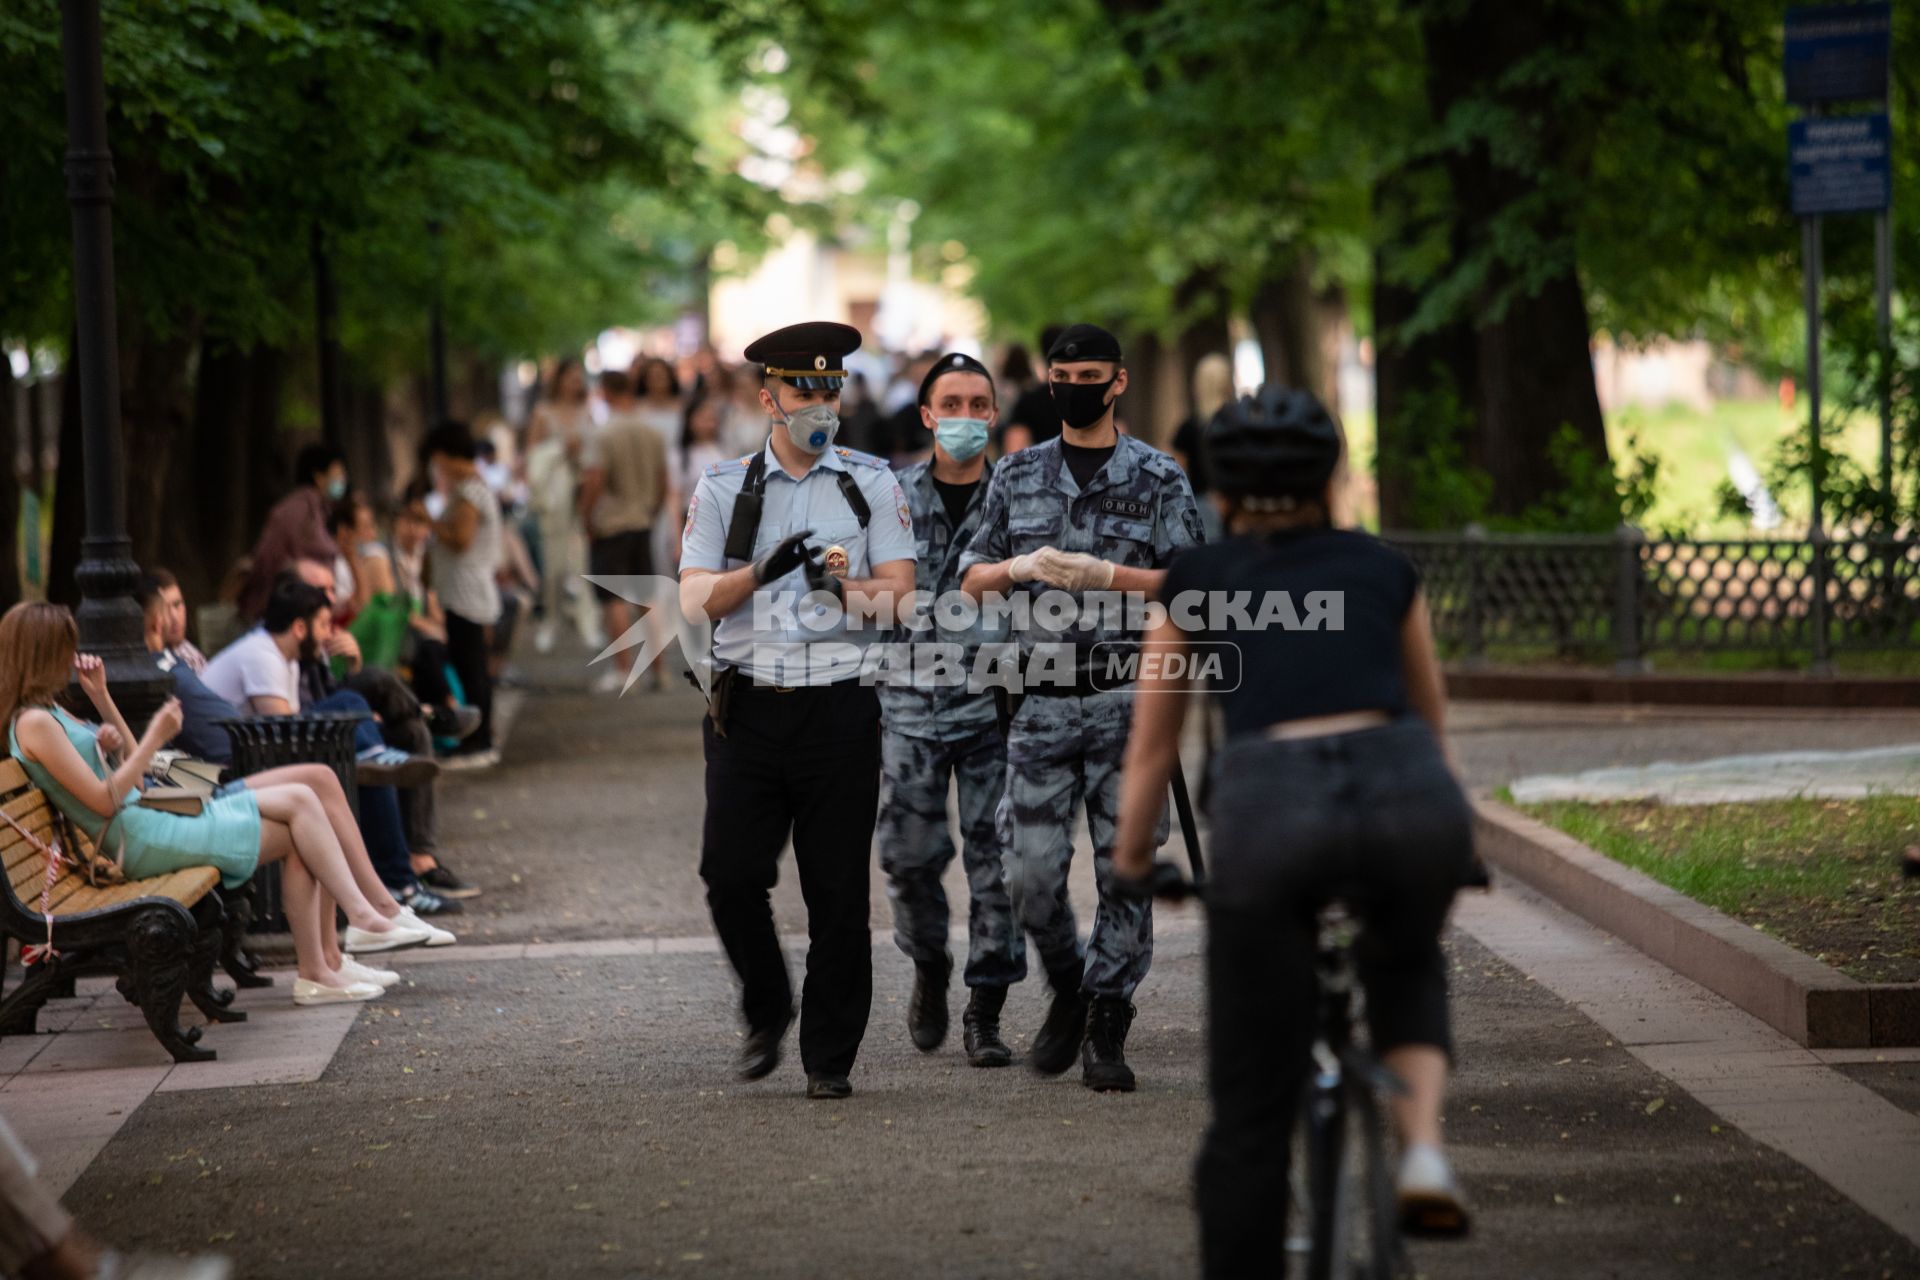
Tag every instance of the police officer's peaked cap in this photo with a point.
(811, 356)
(1084, 342)
(952, 362)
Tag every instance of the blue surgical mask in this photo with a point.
(336, 490)
(812, 428)
(962, 438)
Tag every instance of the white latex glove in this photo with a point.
(1074, 570)
(1027, 567)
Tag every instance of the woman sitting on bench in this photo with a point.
(298, 813)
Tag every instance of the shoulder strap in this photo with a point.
(850, 490)
(746, 510)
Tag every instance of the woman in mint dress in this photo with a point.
(298, 813)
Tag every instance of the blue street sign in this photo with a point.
(1839, 164)
(1838, 53)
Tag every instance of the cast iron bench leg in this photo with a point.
(159, 959)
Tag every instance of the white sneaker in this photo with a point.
(400, 934)
(147, 1266)
(436, 936)
(612, 680)
(545, 636)
(382, 978)
(306, 993)
(1431, 1201)
(471, 760)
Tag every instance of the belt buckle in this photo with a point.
(784, 688)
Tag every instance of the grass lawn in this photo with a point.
(1820, 875)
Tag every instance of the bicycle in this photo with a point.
(1344, 1215)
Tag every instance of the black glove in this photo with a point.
(787, 556)
(818, 579)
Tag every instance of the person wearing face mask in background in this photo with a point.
(798, 552)
(1089, 511)
(297, 527)
(933, 731)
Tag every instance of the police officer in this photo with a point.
(936, 728)
(799, 553)
(1091, 510)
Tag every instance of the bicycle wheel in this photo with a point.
(1324, 1127)
(1370, 1208)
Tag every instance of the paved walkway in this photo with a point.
(552, 1098)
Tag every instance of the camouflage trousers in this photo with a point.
(916, 846)
(1063, 753)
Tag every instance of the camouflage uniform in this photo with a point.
(931, 731)
(1064, 751)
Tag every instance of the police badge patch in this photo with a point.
(693, 509)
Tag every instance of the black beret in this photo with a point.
(1084, 342)
(952, 362)
(807, 355)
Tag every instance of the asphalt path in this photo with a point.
(577, 1116)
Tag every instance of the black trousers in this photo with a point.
(1373, 818)
(467, 651)
(803, 764)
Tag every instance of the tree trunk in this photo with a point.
(1201, 303)
(233, 421)
(1139, 407)
(9, 485)
(1533, 367)
(1286, 319)
(156, 410)
(1423, 387)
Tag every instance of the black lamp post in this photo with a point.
(109, 617)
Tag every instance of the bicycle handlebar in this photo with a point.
(1169, 883)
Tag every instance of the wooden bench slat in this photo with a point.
(12, 774)
(18, 848)
(186, 887)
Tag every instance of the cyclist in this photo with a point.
(1332, 783)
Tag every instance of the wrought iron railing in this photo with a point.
(1626, 596)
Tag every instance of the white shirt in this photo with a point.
(464, 580)
(253, 667)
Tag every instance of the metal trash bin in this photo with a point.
(267, 742)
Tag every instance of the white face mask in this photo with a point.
(811, 428)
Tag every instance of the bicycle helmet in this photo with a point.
(1278, 443)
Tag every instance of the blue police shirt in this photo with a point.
(777, 636)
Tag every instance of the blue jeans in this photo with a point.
(380, 823)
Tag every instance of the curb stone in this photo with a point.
(1813, 1004)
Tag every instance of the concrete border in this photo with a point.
(1588, 685)
(1811, 1003)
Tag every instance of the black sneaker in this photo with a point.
(1060, 1035)
(981, 1022)
(1103, 1061)
(927, 1010)
(425, 902)
(453, 722)
(761, 1053)
(824, 1086)
(448, 885)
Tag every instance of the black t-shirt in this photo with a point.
(1332, 602)
(954, 497)
(1036, 411)
(1084, 464)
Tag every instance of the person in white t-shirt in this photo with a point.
(260, 671)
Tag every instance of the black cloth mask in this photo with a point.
(1081, 404)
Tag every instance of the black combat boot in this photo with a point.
(1103, 1062)
(1066, 1022)
(927, 1010)
(981, 1021)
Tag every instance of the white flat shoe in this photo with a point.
(436, 936)
(305, 992)
(382, 978)
(1431, 1201)
(399, 934)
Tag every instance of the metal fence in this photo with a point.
(1627, 596)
